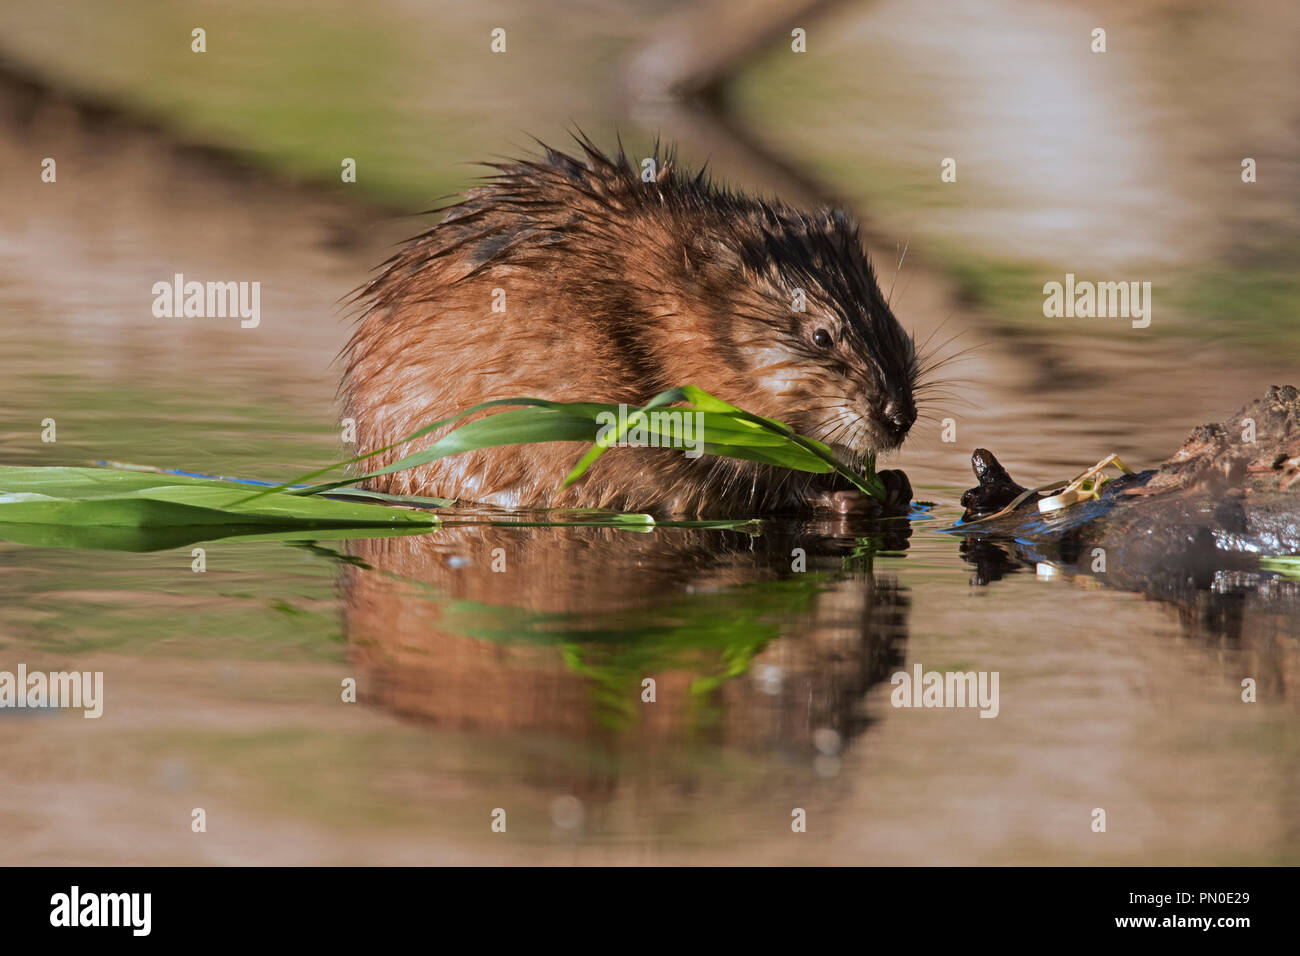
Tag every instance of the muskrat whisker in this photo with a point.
(942, 395)
(889, 297)
(855, 442)
(930, 358)
(936, 390)
(904, 290)
(930, 383)
(935, 331)
(939, 328)
(948, 404)
(935, 362)
(827, 434)
(847, 424)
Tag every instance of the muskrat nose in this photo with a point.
(900, 414)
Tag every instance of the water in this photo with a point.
(521, 689)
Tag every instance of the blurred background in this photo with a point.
(222, 687)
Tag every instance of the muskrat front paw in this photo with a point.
(898, 498)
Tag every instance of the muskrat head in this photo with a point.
(795, 309)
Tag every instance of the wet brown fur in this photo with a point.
(617, 289)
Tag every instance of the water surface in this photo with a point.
(521, 689)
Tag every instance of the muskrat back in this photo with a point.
(572, 279)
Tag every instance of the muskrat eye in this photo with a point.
(822, 339)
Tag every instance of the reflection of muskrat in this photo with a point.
(585, 614)
(578, 281)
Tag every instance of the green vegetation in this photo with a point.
(731, 433)
(144, 509)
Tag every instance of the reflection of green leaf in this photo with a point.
(165, 539)
(716, 634)
(415, 501)
(131, 510)
(147, 605)
(1287, 565)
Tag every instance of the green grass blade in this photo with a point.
(103, 507)
(1287, 565)
(732, 433)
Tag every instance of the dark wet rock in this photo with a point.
(1212, 507)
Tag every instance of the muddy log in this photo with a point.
(1230, 494)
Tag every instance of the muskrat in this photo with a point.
(616, 288)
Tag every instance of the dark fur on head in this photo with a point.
(616, 289)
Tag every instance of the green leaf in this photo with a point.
(131, 510)
(731, 433)
(1287, 565)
